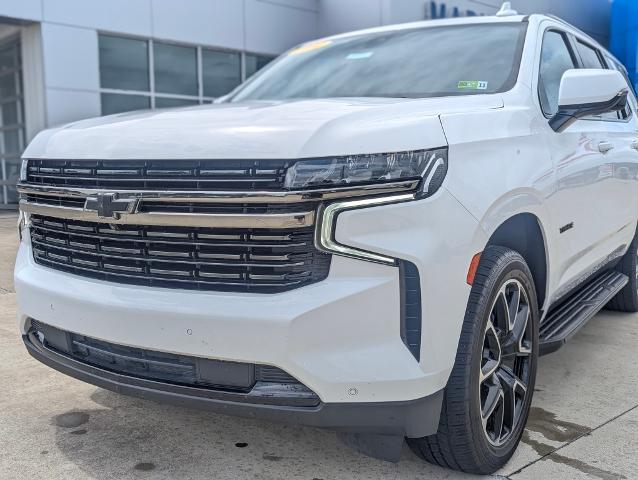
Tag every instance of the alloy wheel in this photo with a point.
(506, 363)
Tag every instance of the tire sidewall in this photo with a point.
(514, 269)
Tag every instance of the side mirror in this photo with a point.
(587, 92)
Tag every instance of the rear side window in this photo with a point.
(627, 111)
(614, 65)
(556, 59)
(589, 56)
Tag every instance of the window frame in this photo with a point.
(152, 93)
(572, 53)
(599, 54)
(571, 39)
(603, 60)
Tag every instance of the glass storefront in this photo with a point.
(12, 134)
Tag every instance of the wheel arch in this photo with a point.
(523, 233)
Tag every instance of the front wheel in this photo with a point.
(489, 393)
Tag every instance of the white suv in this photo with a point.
(379, 233)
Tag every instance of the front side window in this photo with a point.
(415, 63)
(556, 59)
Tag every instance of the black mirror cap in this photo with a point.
(568, 114)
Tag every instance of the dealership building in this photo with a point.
(64, 60)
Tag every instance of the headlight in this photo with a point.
(426, 165)
(23, 171)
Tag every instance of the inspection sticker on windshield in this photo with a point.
(472, 85)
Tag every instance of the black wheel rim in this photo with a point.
(505, 364)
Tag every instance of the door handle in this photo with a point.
(634, 145)
(605, 147)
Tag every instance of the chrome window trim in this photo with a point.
(269, 221)
(325, 231)
(279, 196)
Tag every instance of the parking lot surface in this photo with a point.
(583, 425)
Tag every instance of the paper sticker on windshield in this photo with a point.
(472, 85)
(359, 55)
(309, 47)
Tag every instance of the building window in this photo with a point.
(124, 63)
(221, 72)
(117, 103)
(175, 69)
(254, 63)
(163, 102)
(12, 134)
(140, 74)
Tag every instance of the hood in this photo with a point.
(264, 130)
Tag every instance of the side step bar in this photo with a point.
(565, 320)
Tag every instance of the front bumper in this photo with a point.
(412, 418)
(340, 337)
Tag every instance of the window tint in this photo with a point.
(221, 72)
(254, 63)
(589, 56)
(175, 69)
(556, 59)
(115, 103)
(123, 63)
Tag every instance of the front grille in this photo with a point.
(160, 366)
(141, 175)
(237, 260)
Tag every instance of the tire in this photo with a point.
(463, 441)
(627, 299)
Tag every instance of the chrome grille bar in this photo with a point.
(169, 196)
(222, 220)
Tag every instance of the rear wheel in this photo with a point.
(627, 299)
(488, 396)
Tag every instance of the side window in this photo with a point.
(556, 59)
(613, 64)
(590, 56)
(627, 112)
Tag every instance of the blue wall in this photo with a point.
(624, 35)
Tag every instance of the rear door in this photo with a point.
(624, 131)
(617, 173)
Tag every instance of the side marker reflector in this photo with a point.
(471, 272)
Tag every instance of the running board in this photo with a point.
(572, 314)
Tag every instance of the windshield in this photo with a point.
(417, 62)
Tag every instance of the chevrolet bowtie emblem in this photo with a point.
(109, 205)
